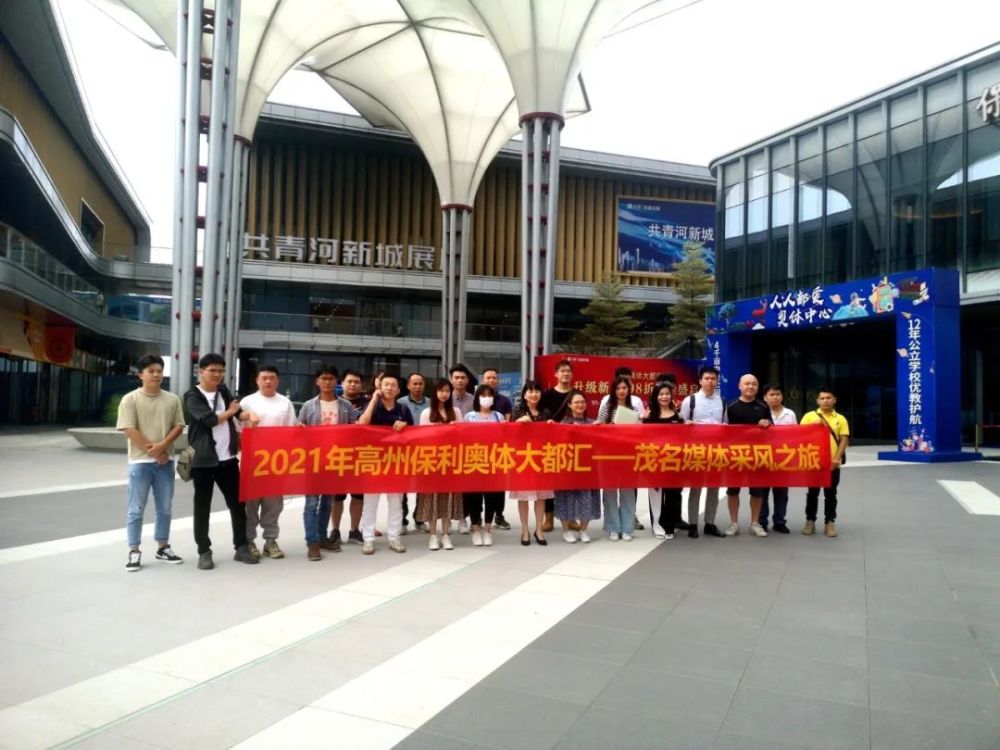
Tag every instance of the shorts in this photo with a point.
(754, 491)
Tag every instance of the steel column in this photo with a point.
(534, 340)
(526, 138)
(551, 224)
(184, 307)
(175, 255)
(236, 271)
(463, 283)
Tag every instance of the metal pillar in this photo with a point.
(234, 290)
(175, 279)
(185, 261)
(455, 220)
(540, 136)
(230, 180)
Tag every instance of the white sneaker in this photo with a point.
(434, 545)
(626, 537)
(668, 536)
(757, 530)
(487, 539)
(477, 539)
(396, 545)
(613, 536)
(660, 534)
(446, 542)
(463, 526)
(368, 548)
(569, 537)
(733, 530)
(584, 537)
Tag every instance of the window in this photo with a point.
(92, 228)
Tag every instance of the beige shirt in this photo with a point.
(153, 416)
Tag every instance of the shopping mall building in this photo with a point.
(341, 256)
(846, 210)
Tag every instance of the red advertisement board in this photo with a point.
(593, 374)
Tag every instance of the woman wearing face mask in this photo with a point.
(580, 506)
(482, 507)
(619, 504)
(440, 506)
(662, 411)
(529, 411)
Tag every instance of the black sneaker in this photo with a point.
(335, 536)
(639, 527)
(712, 530)
(244, 555)
(205, 561)
(354, 537)
(682, 526)
(501, 523)
(693, 532)
(165, 554)
(134, 561)
(781, 528)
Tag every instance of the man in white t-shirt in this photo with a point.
(775, 398)
(705, 406)
(274, 410)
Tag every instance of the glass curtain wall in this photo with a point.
(809, 237)
(983, 208)
(945, 174)
(782, 205)
(735, 207)
(838, 251)
(906, 171)
(756, 245)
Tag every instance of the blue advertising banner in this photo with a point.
(652, 233)
(924, 304)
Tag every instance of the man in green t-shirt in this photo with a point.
(152, 419)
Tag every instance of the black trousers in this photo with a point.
(829, 499)
(474, 503)
(670, 508)
(225, 476)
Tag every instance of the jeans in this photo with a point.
(370, 509)
(780, 506)
(141, 478)
(619, 511)
(829, 499)
(316, 517)
(225, 476)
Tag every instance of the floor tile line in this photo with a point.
(69, 741)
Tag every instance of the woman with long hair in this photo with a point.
(662, 411)
(440, 506)
(619, 504)
(528, 410)
(483, 507)
(577, 506)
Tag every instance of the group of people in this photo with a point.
(153, 418)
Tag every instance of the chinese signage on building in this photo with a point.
(652, 233)
(989, 104)
(324, 251)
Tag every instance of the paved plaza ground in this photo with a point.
(886, 637)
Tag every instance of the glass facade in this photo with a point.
(909, 182)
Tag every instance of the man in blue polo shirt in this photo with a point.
(383, 409)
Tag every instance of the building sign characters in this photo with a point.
(326, 251)
(989, 104)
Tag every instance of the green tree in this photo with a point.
(610, 323)
(694, 294)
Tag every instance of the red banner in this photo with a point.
(593, 375)
(528, 456)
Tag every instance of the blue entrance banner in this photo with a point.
(925, 306)
(652, 233)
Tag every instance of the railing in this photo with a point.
(21, 251)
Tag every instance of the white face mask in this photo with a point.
(486, 401)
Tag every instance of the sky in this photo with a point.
(688, 87)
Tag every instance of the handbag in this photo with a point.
(186, 456)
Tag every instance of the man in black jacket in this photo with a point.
(212, 433)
